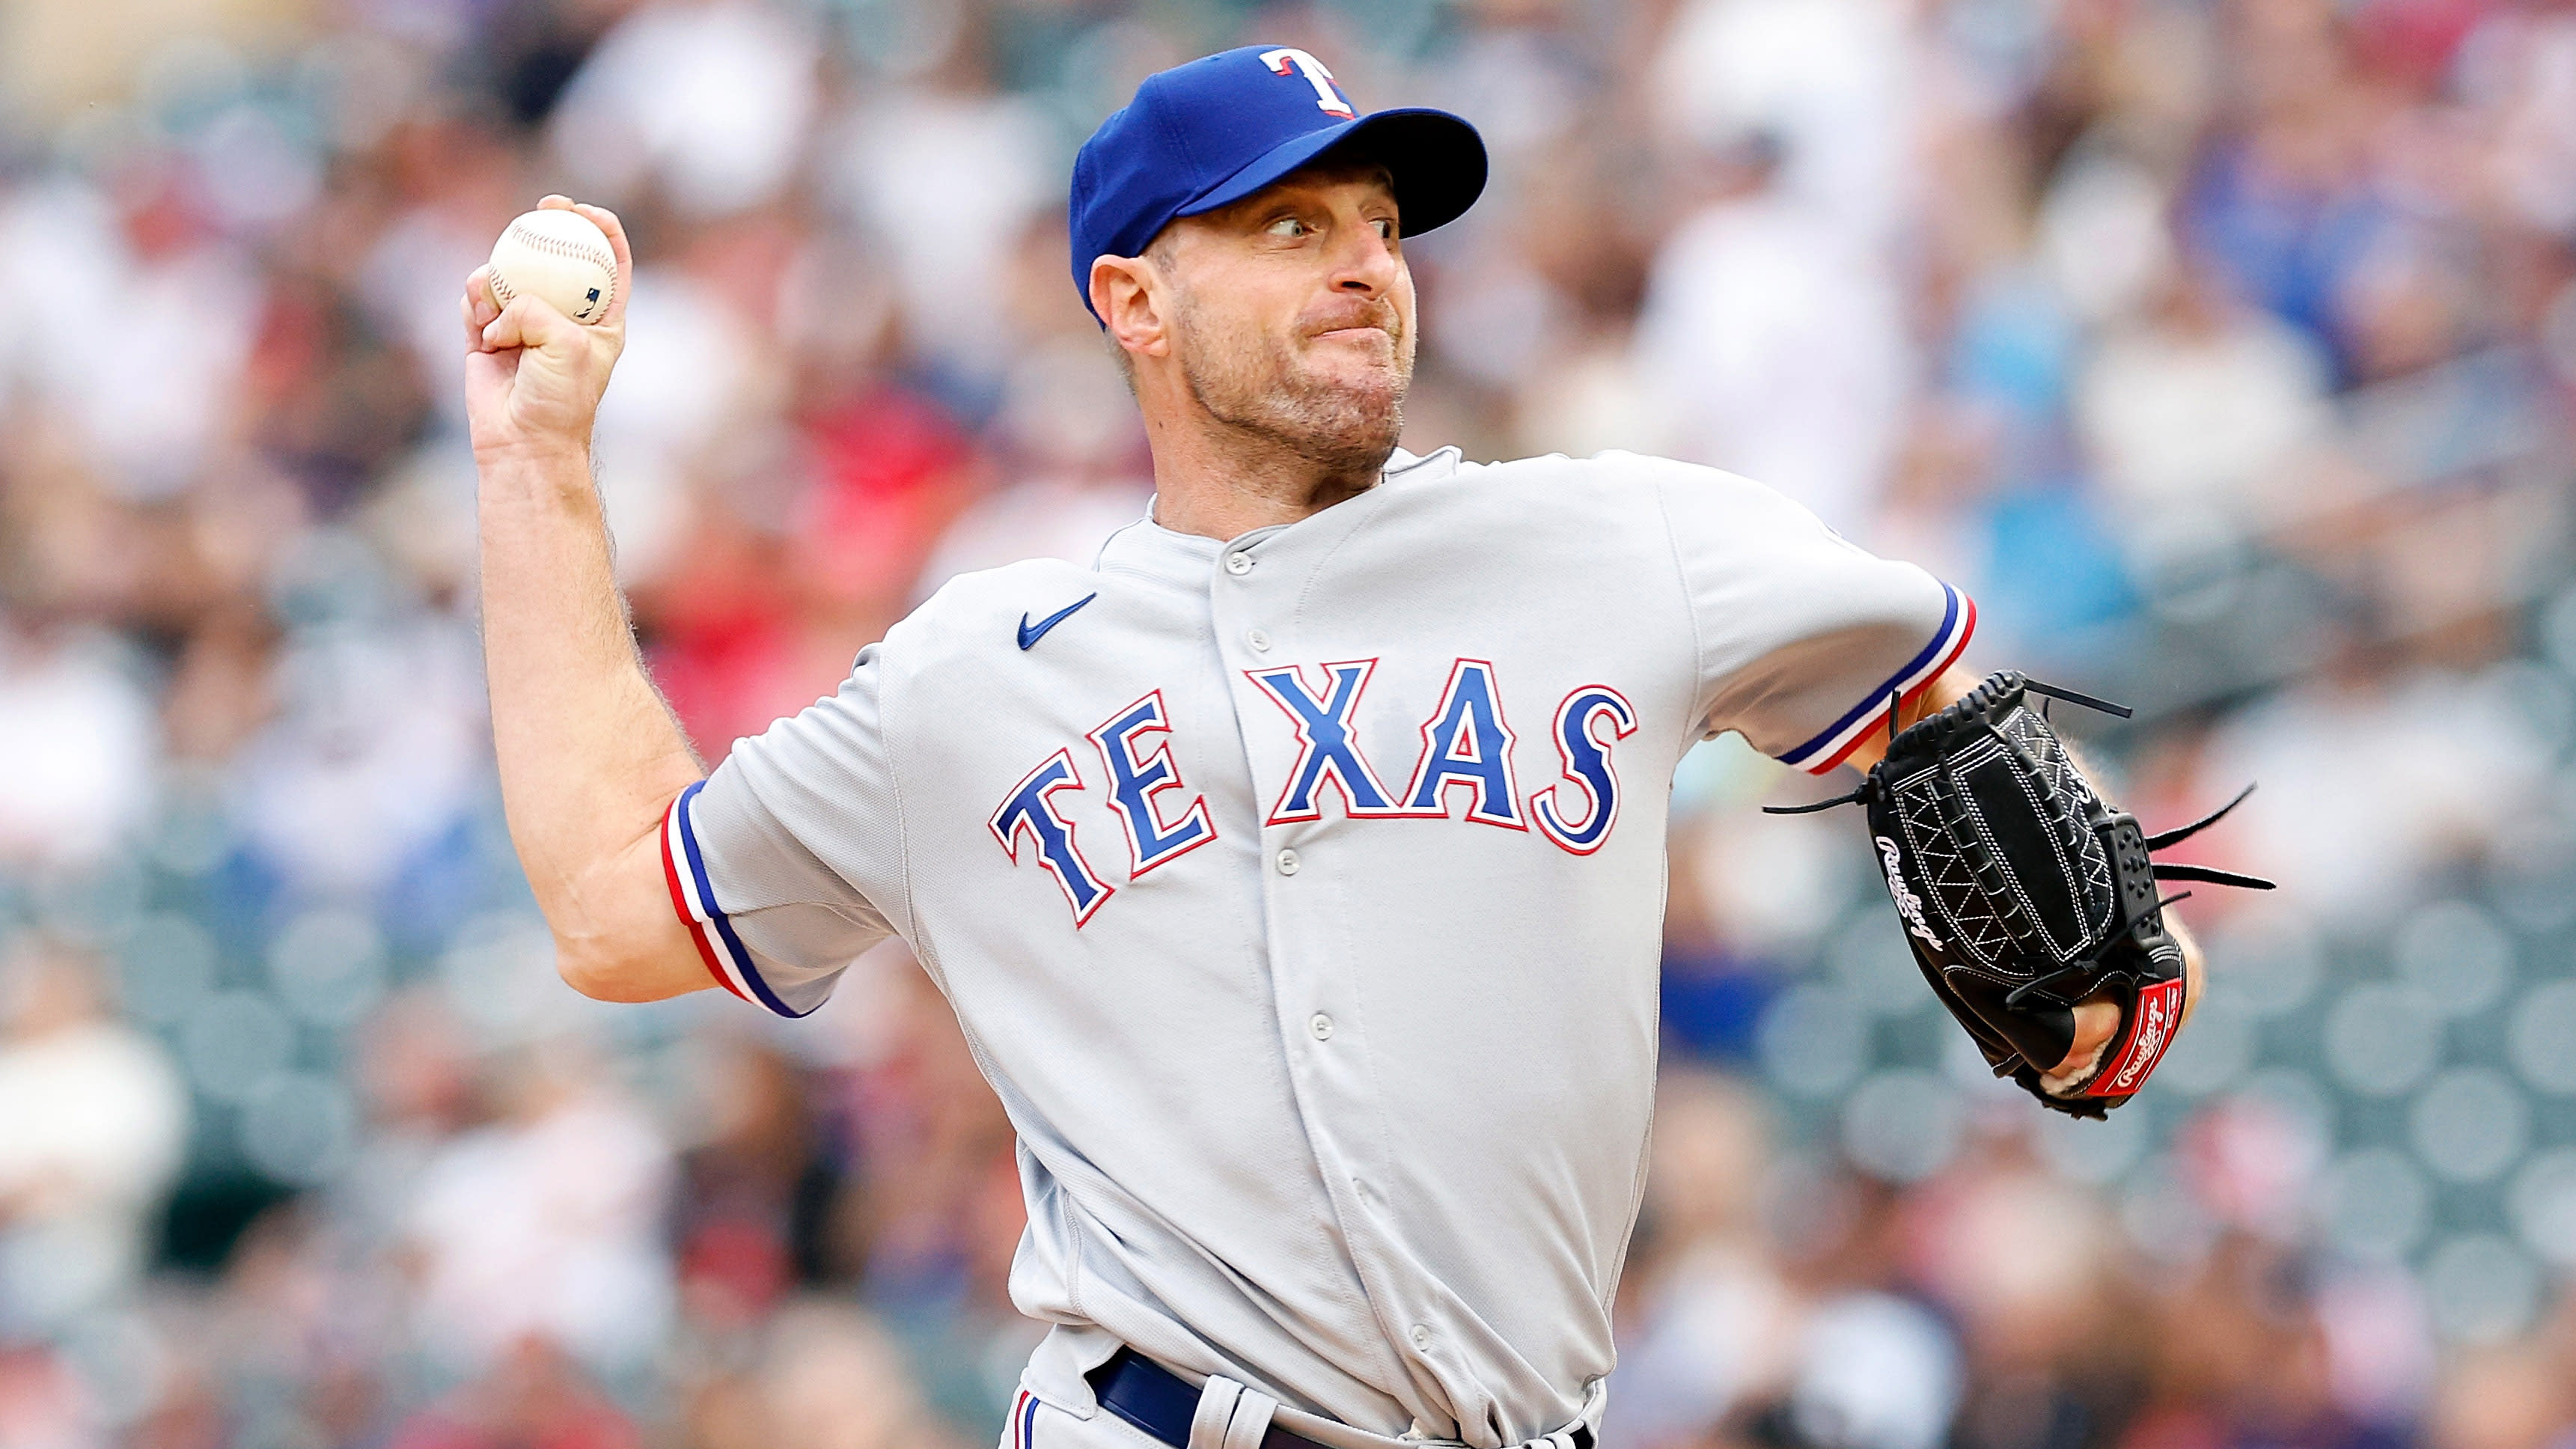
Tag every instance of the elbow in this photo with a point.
(585, 968)
(601, 971)
(616, 936)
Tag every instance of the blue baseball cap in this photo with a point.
(1212, 132)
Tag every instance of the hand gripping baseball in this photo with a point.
(534, 377)
(2027, 898)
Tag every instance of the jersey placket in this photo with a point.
(1311, 869)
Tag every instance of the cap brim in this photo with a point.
(1437, 160)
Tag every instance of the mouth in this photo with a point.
(1364, 332)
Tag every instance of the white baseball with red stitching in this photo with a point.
(559, 256)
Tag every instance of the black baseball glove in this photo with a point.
(2023, 893)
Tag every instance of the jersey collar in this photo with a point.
(1147, 547)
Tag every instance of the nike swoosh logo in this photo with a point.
(1032, 633)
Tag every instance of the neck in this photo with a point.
(1222, 481)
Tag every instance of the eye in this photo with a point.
(1287, 226)
(1385, 228)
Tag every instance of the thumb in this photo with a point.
(530, 322)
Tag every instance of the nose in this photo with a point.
(1364, 263)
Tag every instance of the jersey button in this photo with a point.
(1238, 563)
(1321, 1025)
(1287, 862)
(1421, 1336)
(1259, 641)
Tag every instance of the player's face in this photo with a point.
(1294, 315)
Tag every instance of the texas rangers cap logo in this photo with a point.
(1289, 60)
(1210, 133)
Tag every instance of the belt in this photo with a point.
(1162, 1403)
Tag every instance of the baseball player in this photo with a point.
(1295, 869)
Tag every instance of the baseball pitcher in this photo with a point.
(1296, 868)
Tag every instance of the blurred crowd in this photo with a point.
(2222, 348)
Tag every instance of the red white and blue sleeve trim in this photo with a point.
(1835, 744)
(684, 869)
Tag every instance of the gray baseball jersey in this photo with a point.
(1301, 896)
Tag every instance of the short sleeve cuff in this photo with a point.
(720, 946)
(1821, 753)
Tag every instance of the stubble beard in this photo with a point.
(1260, 387)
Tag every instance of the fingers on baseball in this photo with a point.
(606, 220)
(478, 306)
(530, 322)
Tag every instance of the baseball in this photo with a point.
(559, 256)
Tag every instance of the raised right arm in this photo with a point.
(590, 756)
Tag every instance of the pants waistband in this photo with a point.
(1162, 1403)
(1223, 1415)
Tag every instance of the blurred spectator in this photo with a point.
(1736, 1343)
(2197, 410)
(752, 1195)
(2517, 1397)
(90, 1140)
(945, 171)
(533, 1396)
(827, 1378)
(71, 708)
(2436, 748)
(1714, 1313)
(128, 320)
(417, 1080)
(540, 1231)
(1826, 83)
(1779, 343)
(375, 750)
(710, 103)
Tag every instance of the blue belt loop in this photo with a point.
(1162, 1404)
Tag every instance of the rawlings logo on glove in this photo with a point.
(2159, 1009)
(2024, 895)
(1908, 905)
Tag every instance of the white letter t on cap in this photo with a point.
(1288, 59)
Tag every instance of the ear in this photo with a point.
(1126, 293)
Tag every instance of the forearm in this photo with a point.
(1946, 689)
(589, 755)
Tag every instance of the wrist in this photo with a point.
(530, 473)
(533, 454)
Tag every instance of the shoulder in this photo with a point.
(972, 609)
(1612, 472)
(1013, 586)
(1602, 488)
(1696, 514)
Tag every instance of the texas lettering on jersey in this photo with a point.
(1466, 757)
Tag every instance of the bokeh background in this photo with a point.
(2222, 348)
